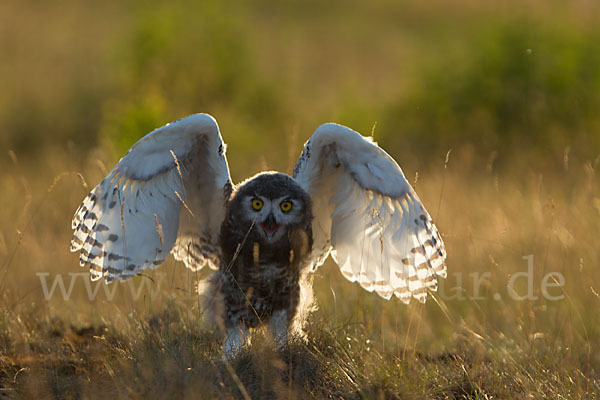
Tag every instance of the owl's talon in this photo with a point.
(278, 325)
(235, 339)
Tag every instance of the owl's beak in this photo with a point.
(270, 226)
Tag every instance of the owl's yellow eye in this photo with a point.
(257, 204)
(286, 206)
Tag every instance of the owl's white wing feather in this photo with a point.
(368, 216)
(167, 193)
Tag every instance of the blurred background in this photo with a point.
(497, 78)
(491, 108)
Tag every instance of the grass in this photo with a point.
(462, 344)
(161, 356)
(520, 183)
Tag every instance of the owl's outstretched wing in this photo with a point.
(368, 216)
(167, 194)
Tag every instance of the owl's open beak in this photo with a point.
(270, 226)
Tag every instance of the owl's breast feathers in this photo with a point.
(255, 259)
(263, 276)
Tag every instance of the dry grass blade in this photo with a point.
(184, 203)
(159, 230)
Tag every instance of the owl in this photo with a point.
(172, 194)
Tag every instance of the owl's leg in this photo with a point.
(235, 338)
(305, 306)
(278, 325)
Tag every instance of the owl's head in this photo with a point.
(274, 203)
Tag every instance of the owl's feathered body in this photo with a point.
(260, 274)
(172, 193)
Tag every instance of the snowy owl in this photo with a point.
(172, 193)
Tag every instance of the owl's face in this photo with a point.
(273, 203)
